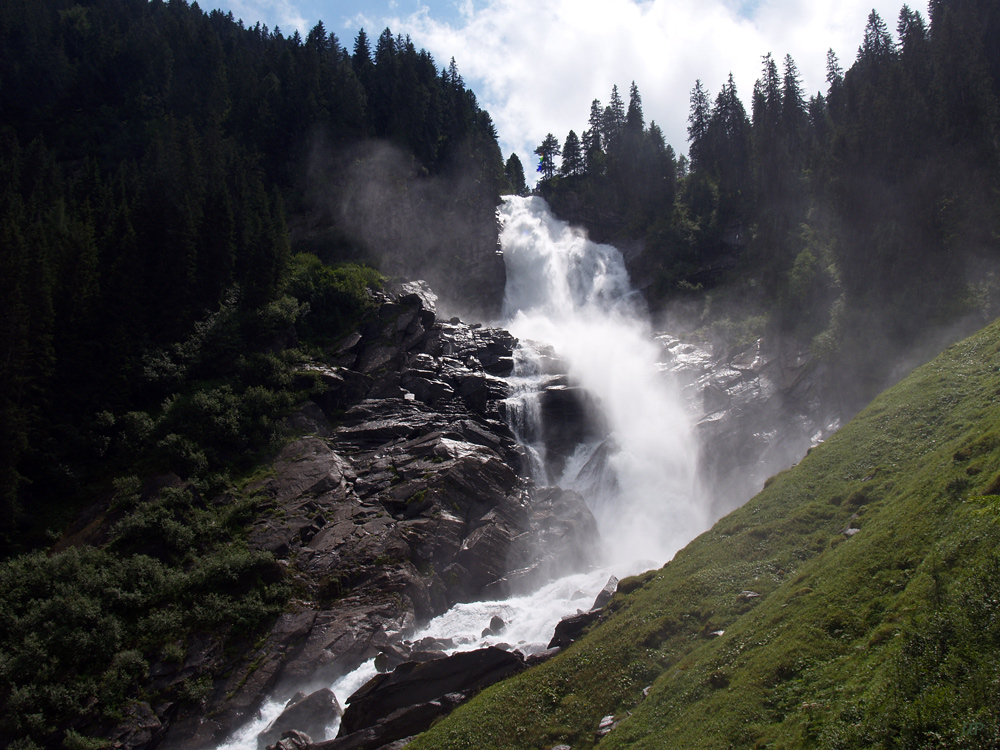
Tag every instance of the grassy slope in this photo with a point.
(888, 638)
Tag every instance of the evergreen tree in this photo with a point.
(572, 156)
(877, 46)
(514, 172)
(698, 118)
(592, 143)
(547, 153)
(634, 121)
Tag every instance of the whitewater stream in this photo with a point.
(569, 301)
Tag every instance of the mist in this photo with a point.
(373, 202)
(574, 295)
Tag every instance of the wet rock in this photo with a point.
(568, 417)
(759, 409)
(606, 593)
(292, 740)
(572, 627)
(413, 684)
(404, 498)
(308, 714)
(563, 536)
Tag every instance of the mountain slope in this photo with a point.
(855, 596)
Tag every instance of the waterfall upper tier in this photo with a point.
(636, 459)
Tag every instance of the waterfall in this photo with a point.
(573, 296)
(582, 329)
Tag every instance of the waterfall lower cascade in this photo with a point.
(618, 434)
(570, 299)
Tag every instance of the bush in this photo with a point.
(338, 297)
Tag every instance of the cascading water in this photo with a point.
(574, 295)
(570, 303)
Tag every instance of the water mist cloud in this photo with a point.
(570, 293)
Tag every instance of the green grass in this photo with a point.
(887, 638)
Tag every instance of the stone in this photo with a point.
(606, 593)
(606, 725)
(384, 513)
(412, 684)
(533, 660)
(292, 740)
(572, 627)
(310, 715)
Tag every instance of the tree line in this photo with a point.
(861, 216)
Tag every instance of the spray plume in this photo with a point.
(575, 295)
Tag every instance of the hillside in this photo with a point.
(852, 603)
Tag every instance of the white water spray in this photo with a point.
(575, 295)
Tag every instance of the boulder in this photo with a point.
(292, 740)
(572, 627)
(606, 593)
(309, 714)
(412, 684)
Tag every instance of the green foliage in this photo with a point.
(80, 627)
(337, 296)
(886, 638)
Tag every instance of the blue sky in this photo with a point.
(536, 65)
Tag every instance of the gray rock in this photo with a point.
(606, 593)
(310, 715)
(413, 684)
(572, 627)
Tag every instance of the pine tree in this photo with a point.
(572, 156)
(592, 144)
(877, 46)
(634, 121)
(701, 110)
(547, 153)
(514, 172)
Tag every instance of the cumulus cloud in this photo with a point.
(536, 66)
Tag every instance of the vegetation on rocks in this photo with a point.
(851, 604)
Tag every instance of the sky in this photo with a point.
(536, 65)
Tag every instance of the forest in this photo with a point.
(168, 259)
(863, 219)
(171, 251)
(155, 164)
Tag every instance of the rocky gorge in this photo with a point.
(401, 495)
(406, 492)
(403, 491)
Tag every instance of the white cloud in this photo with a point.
(536, 66)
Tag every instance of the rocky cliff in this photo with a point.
(400, 495)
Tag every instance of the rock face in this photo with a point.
(759, 410)
(402, 496)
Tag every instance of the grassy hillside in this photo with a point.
(887, 636)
